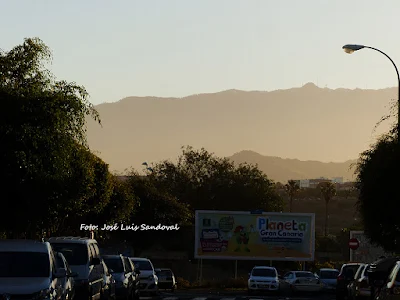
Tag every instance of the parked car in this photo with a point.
(328, 278)
(108, 290)
(359, 288)
(68, 282)
(391, 288)
(28, 270)
(148, 277)
(302, 281)
(83, 257)
(346, 275)
(121, 269)
(166, 279)
(263, 279)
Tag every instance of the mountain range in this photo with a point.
(325, 129)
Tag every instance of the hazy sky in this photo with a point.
(178, 48)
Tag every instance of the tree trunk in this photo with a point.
(326, 218)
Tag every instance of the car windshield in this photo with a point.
(329, 274)
(24, 264)
(114, 264)
(350, 268)
(143, 265)
(304, 274)
(264, 272)
(164, 273)
(75, 254)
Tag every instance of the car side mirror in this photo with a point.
(95, 261)
(73, 274)
(60, 273)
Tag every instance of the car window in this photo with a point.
(115, 264)
(24, 264)
(264, 272)
(164, 273)
(289, 275)
(127, 265)
(349, 268)
(359, 272)
(397, 276)
(331, 274)
(75, 254)
(143, 265)
(304, 274)
(92, 251)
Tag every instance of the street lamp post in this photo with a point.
(351, 48)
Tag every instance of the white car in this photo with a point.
(263, 279)
(302, 281)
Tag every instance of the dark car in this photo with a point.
(108, 290)
(124, 275)
(166, 279)
(346, 275)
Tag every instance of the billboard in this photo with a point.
(241, 235)
(366, 252)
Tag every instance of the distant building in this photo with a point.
(315, 182)
(304, 183)
(337, 179)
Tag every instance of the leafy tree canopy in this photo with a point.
(377, 182)
(44, 156)
(205, 181)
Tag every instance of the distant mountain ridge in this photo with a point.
(305, 122)
(282, 170)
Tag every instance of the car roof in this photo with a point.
(112, 256)
(163, 269)
(24, 246)
(139, 258)
(71, 240)
(329, 269)
(264, 267)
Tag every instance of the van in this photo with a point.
(83, 257)
(28, 270)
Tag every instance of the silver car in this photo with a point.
(166, 279)
(328, 278)
(148, 277)
(302, 281)
(28, 270)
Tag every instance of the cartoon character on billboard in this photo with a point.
(242, 236)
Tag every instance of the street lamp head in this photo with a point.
(351, 48)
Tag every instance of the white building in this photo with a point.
(304, 183)
(337, 179)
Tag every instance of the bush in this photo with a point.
(182, 283)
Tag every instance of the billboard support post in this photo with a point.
(235, 269)
(243, 235)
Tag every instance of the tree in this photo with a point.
(42, 128)
(292, 189)
(156, 206)
(328, 191)
(377, 182)
(205, 181)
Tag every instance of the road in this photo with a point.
(188, 295)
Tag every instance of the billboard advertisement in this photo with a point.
(241, 235)
(366, 252)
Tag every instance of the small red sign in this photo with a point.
(354, 244)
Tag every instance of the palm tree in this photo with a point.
(328, 191)
(291, 188)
